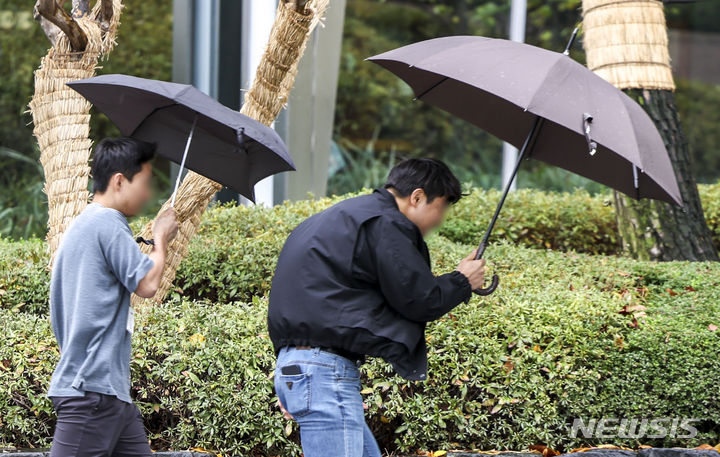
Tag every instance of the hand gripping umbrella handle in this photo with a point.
(495, 280)
(490, 289)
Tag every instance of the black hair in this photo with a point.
(430, 175)
(119, 155)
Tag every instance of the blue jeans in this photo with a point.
(324, 398)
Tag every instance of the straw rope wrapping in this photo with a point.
(61, 118)
(626, 43)
(274, 78)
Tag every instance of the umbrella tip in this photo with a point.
(570, 43)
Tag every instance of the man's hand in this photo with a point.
(165, 227)
(473, 269)
(286, 414)
(164, 231)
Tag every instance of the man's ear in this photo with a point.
(417, 197)
(116, 181)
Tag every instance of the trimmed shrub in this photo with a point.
(238, 246)
(24, 277)
(233, 256)
(574, 221)
(569, 221)
(28, 355)
(508, 371)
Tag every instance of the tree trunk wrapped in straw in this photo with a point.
(275, 75)
(61, 115)
(626, 43)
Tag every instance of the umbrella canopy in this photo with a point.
(503, 87)
(227, 146)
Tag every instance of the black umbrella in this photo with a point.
(576, 120)
(190, 128)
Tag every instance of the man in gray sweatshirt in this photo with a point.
(97, 266)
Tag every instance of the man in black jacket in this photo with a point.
(355, 280)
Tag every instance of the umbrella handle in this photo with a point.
(495, 280)
(143, 240)
(490, 289)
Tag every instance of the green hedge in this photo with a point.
(233, 256)
(506, 372)
(24, 276)
(566, 221)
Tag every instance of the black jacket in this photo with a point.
(357, 277)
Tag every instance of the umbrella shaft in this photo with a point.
(182, 163)
(534, 131)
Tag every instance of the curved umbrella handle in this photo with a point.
(143, 240)
(490, 289)
(495, 280)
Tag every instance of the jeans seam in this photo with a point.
(309, 389)
(344, 373)
(344, 418)
(308, 362)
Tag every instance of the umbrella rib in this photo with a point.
(155, 110)
(545, 77)
(417, 97)
(629, 120)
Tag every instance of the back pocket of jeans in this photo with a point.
(294, 392)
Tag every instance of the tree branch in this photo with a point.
(51, 30)
(106, 14)
(49, 14)
(80, 8)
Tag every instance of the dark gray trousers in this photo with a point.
(98, 425)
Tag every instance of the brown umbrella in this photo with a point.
(576, 120)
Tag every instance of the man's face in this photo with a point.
(426, 215)
(134, 194)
